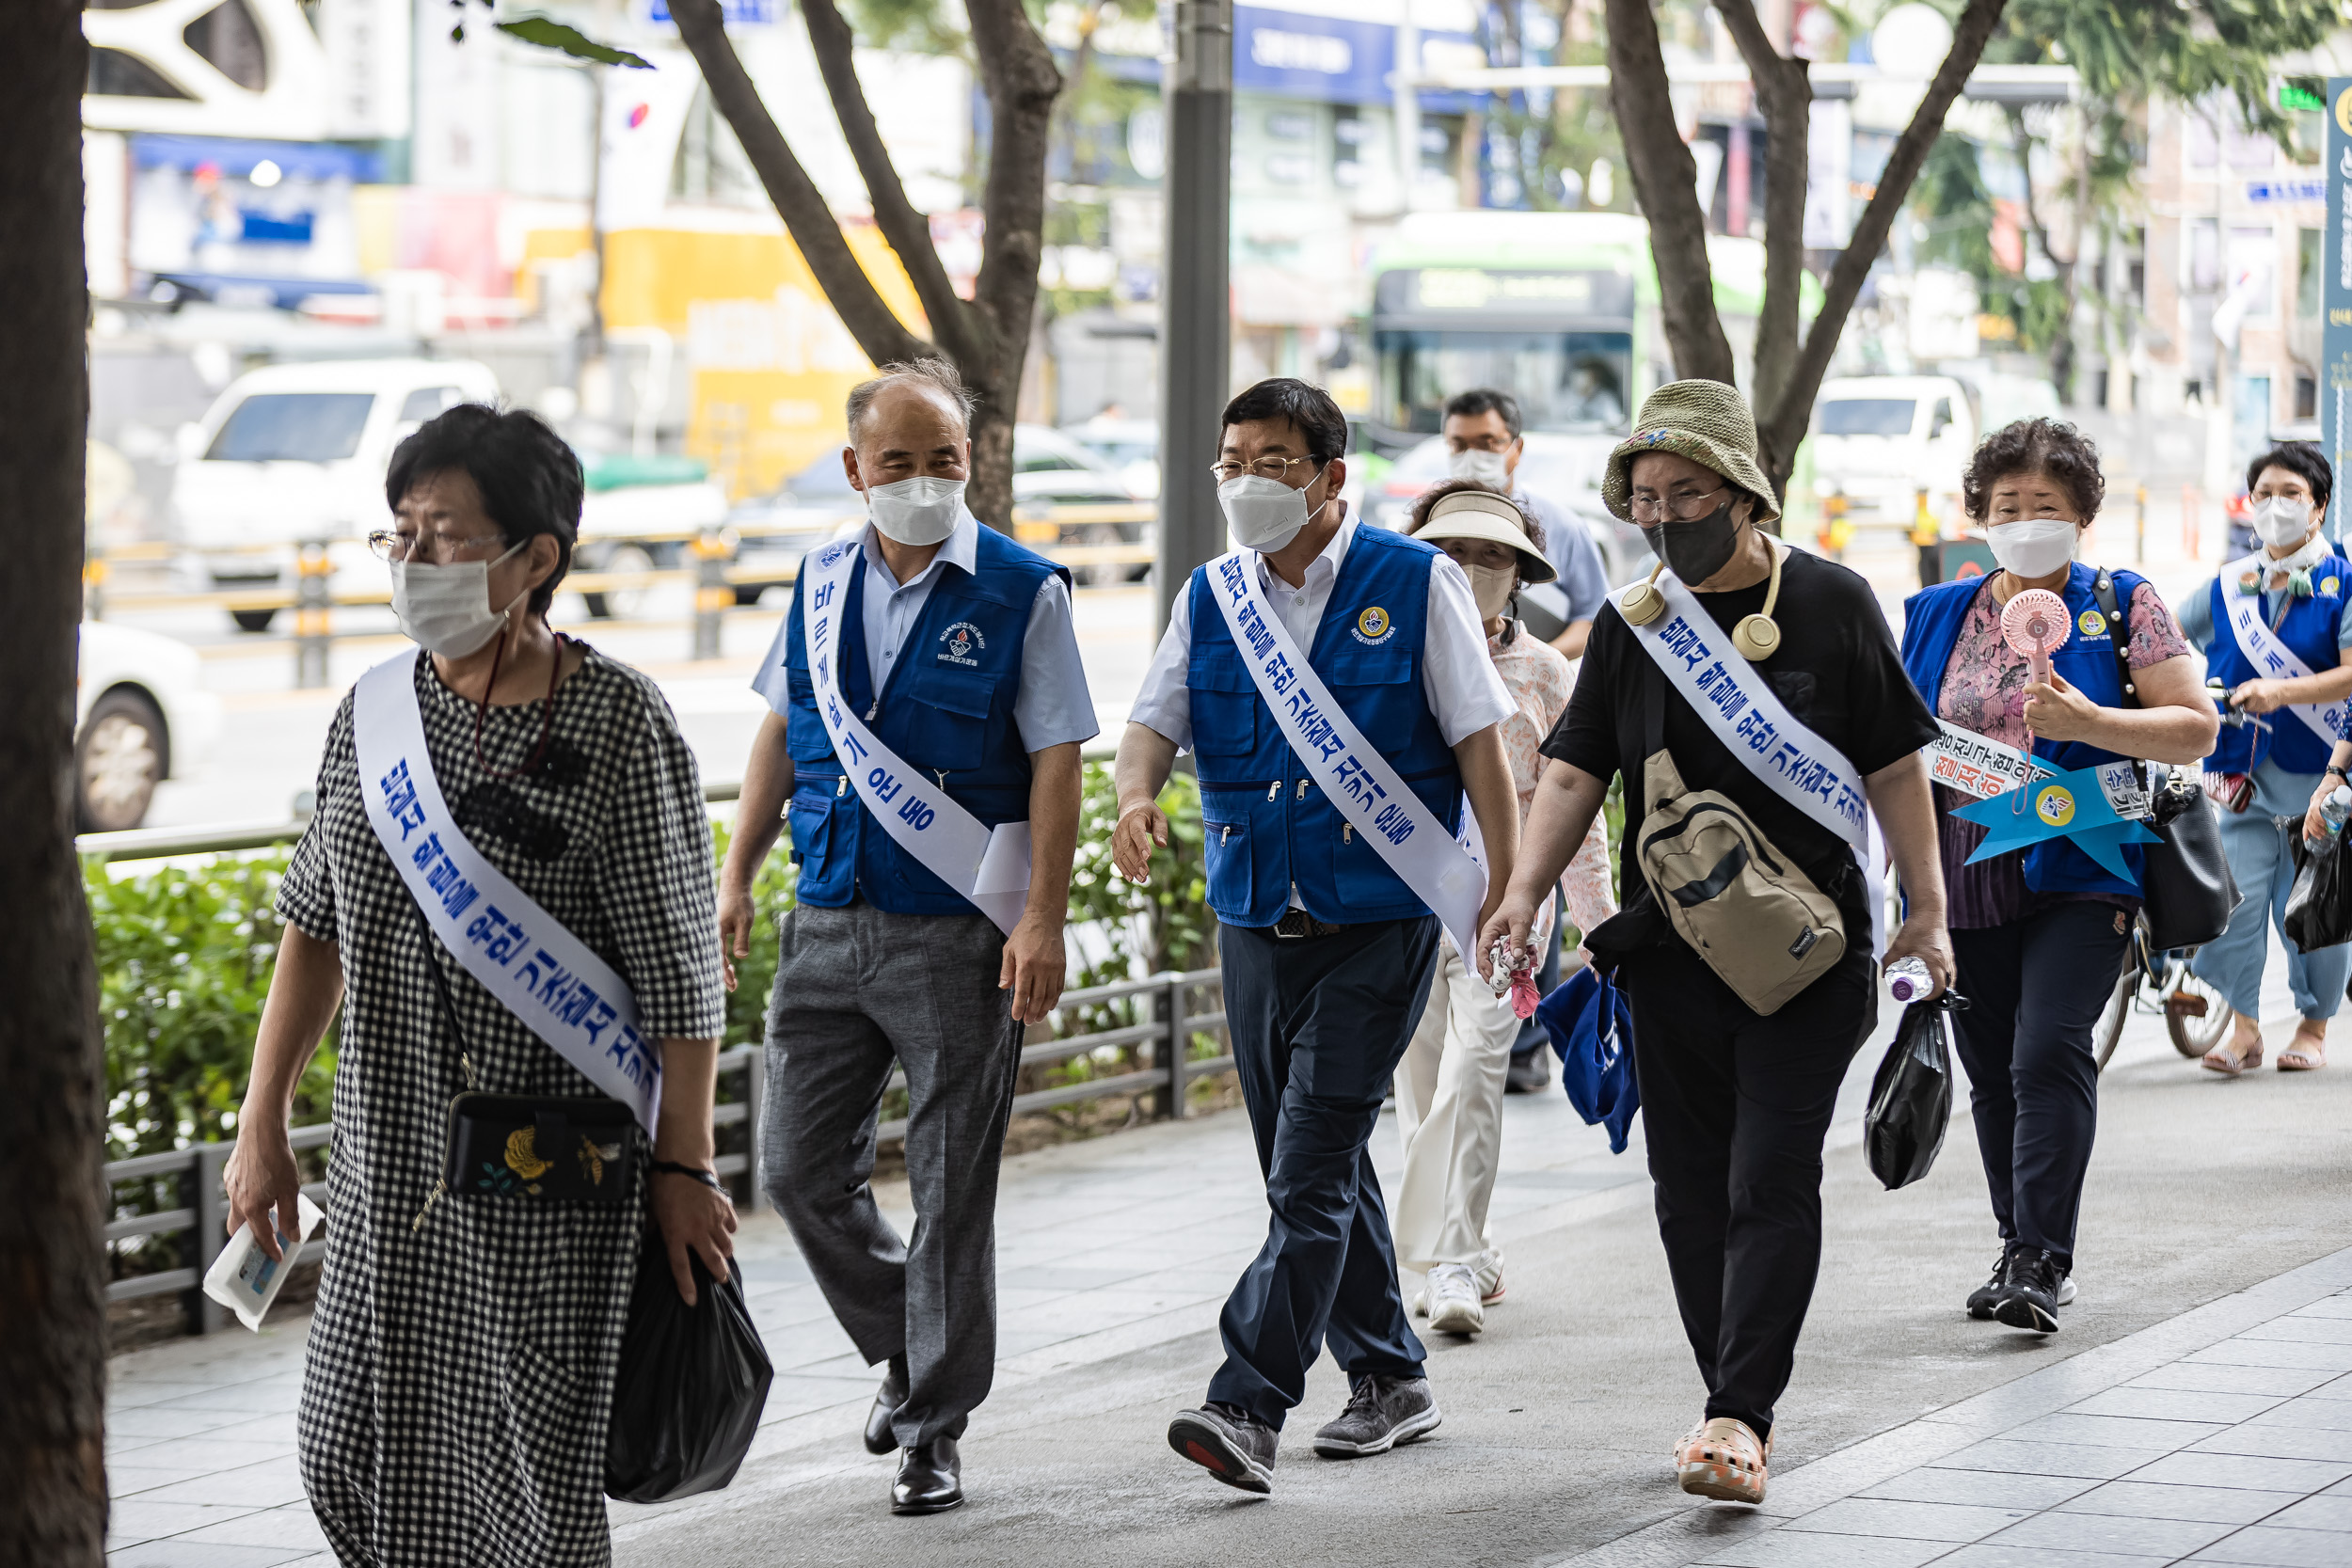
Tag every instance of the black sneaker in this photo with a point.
(1228, 1442)
(1529, 1072)
(2030, 1298)
(1980, 1300)
(1381, 1413)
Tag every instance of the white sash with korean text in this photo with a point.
(521, 954)
(990, 867)
(1735, 701)
(1980, 765)
(1358, 779)
(2271, 659)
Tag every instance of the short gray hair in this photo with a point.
(928, 375)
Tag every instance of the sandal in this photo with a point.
(2304, 1056)
(1723, 1461)
(2219, 1059)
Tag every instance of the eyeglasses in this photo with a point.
(1264, 467)
(385, 544)
(1682, 509)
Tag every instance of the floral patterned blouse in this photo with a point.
(1539, 679)
(1984, 692)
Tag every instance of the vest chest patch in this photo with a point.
(958, 642)
(1375, 627)
(2092, 623)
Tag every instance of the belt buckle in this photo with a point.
(1294, 925)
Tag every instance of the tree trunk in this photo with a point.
(1665, 186)
(1784, 92)
(53, 1355)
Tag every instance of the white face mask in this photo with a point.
(920, 510)
(446, 609)
(2034, 547)
(1491, 586)
(2282, 521)
(1486, 467)
(1264, 513)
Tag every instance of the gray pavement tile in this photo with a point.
(1986, 1554)
(1795, 1549)
(2309, 1330)
(254, 1399)
(145, 1393)
(1070, 1277)
(2338, 1306)
(2048, 1459)
(191, 1554)
(2115, 1431)
(292, 1527)
(131, 1480)
(131, 1520)
(139, 1424)
(2112, 1532)
(2220, 1505)
(276, 1430)
(2324, 1511)
(1980, 1488)
(2280, 1442)
(2269, 1546)
(2245, 1352)
(1908, 1521)
(270, 1484)
(2250, 1471)
(208, 1453)
(2177, 1404)
(2318, 1414)
(795, 1394)
(2207, 1378)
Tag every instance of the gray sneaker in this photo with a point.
(1381, 1413)
(1228, 1443)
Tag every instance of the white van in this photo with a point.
(295, 454)
(1877, 439)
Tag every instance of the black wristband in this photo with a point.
(672, 1168)
(2338, 770)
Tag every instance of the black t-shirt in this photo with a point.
(1836, 668)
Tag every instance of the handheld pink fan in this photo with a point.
(2032, 623)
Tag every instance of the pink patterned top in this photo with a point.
(1539, 679)
(1984, 691)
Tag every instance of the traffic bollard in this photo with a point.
(313, 635)
(94, 583)
(713, 595)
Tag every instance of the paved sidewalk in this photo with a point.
(2223, 1435)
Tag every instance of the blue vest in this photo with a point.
(2310, 632)
(946, 708)
(1932, 620)
(1269, 827)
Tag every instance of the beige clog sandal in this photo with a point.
(1723, 1460)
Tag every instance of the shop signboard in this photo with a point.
(2335, 375)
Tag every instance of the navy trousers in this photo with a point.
(1319, 1024)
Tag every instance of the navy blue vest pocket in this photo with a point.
(1376, 689)
(827, 874)
(1225, 703)
(804, 736)
(951, 736)
(1226, 829)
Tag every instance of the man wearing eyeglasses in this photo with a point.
(1327, 948)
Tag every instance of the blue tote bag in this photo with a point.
(1592, 1033)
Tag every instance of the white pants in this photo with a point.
(1449, 1106)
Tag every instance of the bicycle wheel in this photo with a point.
(2193, 1035)
(2108, 1031)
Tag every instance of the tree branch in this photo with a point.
(1022, 84)
(908, 230)
(880, 334)
(1784, 91)
(1665, 185)
(1784, 425)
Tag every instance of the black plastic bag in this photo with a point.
(692, 1382)
(2319, 906)
(1911, 1099)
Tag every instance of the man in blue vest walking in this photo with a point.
(937, 659)
(1327, 842)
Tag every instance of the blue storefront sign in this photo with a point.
(1330, 59)
(2335, 375)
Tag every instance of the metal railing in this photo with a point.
(1164, 1039)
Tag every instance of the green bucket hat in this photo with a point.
(1702, 421)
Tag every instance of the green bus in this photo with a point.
(1560, 308)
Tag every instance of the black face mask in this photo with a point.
(1697, 550)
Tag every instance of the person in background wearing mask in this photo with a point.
(2296, 596)
(1483, 444)
(958, 666)
(1735, 1103)
(457, 1389)
(2040, 936)
(1449, 1088)
(1328, 949)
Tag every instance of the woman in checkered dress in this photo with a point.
(459, 1378)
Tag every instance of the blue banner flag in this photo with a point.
(2066, 805)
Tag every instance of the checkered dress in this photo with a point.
(459, 1378)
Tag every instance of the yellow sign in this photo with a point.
(2343, 110)
(2055, 806)
(2092, 623)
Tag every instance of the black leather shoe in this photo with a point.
(1228, 1442)
(931, 1479)
(2030, 1299)
(888, 1399)
(1529, 1074)
(1981, 1299)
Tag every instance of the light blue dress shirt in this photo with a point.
(1569, 545)
(1053, 706)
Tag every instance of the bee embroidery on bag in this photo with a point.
(592, 1156)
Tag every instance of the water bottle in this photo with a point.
(2338, 808)
(1907, 981)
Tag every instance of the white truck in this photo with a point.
(1877, 439)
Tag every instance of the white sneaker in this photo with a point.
(1488, 1271)
(1454, 1304)
(2066, 1290)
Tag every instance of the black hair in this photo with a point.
(1308, 408)
(2051, 448)
(530, 480)
(2297, 457)
(1486, 399)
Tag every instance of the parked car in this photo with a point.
(1562, 469)
(1131, 446)
(630, 516)
(294, 454)
(1877, 438)
(141, 716)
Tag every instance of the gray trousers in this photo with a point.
(859, 991)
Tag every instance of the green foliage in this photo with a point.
(2129, 51)
(183, 964)
(548, 33)
(756, 971)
